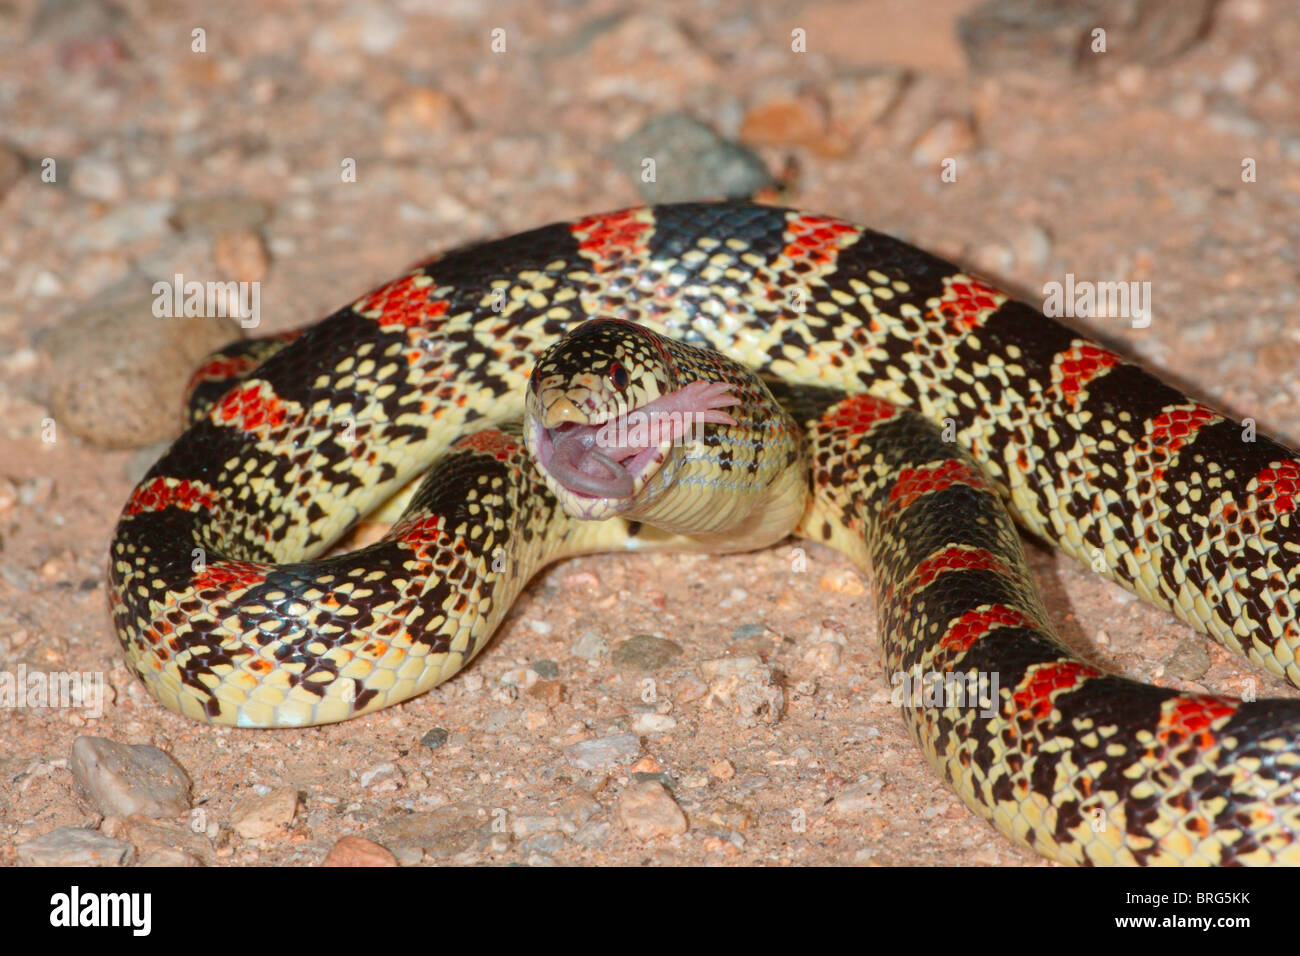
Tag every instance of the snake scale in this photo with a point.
(228, 613)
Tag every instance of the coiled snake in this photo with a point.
(228, 614)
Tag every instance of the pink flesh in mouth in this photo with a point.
(588, 467)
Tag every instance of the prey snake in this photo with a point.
(229, 614)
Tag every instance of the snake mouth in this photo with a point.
(610, 459)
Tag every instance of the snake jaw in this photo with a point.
(597, 468)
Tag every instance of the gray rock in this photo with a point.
(575, 810)
(593, 833)
(648, 810)
(1052, 38)
(1189, 661)
(691, 161)
(260, 816)
(547, 670)
(590, 645)
(73, 846)
(528, 825)
(548, 843)
(743, 632)
(121, 780)
(435, 738)
(645, 652)
(1029, 36)
(603, 753)
(441, 833)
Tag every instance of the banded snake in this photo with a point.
(867, 343)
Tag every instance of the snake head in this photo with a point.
(608, 413)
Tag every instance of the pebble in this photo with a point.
(653, 724)
(743, 632)
(220, 214)
(358, 851)
(823, 658)
(648, 810)
(746, 686)
(593, 833)
(691, 162)
(1189, 661)
(259, 817)
(647, 765)
(150, 837)
(549, 692)
(381, 774)
(689, 688)
(590, 645)
(1240, 76)
(544, 843)
(441, 833)
(575, 810)
(122, 780)
(722, 769)
(799, 120)
(97, 179)
(722, 667)
(45, 285)
(860, 796)
(240, 254)
(730, 815)
(603, 753)
(842, 582)
(524, 825)
(546, 669)
(74, 846)
(169, 857)
(947, 138)
(435, 738)
(645, 652)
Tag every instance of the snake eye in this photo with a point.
(618, 375)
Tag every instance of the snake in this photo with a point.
(839, 384)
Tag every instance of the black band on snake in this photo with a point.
(770, 372)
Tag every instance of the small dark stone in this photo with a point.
(435, 738)
(645, 652)
(691, 161)
(663, 778)
(547, 670)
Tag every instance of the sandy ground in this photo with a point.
(1124, 166)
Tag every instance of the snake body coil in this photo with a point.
(228, 615)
